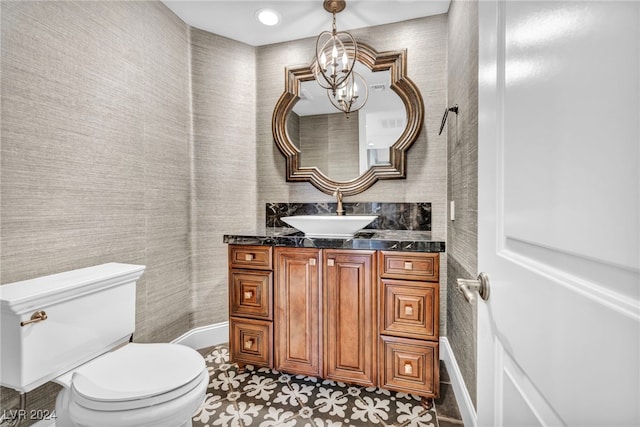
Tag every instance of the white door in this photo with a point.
(558, 220)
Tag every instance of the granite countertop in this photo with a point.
(390, 240)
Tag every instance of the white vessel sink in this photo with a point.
(329, 226)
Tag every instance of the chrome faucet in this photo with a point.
(338, 195)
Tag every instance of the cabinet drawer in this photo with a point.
(250, 341)
(410, 265)
(409, 308)
(253, 257)
(411, 366)
(250, 293)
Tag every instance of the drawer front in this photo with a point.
(250, 341)
(411, 366)
(250, 293)
(409, 308)
(252, 257)
(410, 265)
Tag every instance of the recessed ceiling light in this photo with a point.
(268, 17)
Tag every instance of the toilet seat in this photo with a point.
(137, 376)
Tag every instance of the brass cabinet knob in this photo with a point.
(408, 266)
(408, 310)
(408, 368)
(248, 257)
(248, 344)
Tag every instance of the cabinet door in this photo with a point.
(297, 311)
(350, 316)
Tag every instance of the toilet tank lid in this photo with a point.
(26, 295)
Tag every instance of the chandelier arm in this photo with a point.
(331, 80)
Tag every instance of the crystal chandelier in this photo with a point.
(351, 95)
(335, 52)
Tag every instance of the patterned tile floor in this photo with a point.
(264, 397)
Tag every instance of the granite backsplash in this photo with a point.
(391, 216)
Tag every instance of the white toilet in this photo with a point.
(73, 328)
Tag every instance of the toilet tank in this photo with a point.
(89, 312)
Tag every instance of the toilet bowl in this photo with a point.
(73, 328)
(159, 385)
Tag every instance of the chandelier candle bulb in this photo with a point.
(331, 73)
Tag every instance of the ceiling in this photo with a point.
(236, 19)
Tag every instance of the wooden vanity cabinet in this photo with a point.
(409, 323)
(251, 305)
(356, 316)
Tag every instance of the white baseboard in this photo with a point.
(205, 336)
(465, 404)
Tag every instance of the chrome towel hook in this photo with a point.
(446, 113)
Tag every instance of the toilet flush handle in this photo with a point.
(36, 317)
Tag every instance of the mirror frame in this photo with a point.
(396, 62)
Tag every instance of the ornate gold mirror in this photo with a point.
(368, 145)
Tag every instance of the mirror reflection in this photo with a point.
(340, 146)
